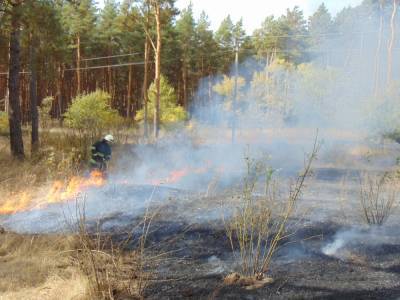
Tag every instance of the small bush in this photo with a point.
(92, 112)
(90, 116)
(259, 224)
(378, 197)
(252, 223)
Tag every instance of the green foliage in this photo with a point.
(90, 115)
(206, 44)
(283, 37)
(227, 37)
(109, 31)
(319, 24)
(226, 88)
(92, 112)
(270, 88)
(170, 110)
(78, 16)
(4, 128)
(316, 82)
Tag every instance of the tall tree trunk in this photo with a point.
(14, 114)
(184, 81)
(391, 42)
(109, 76)
(157, 70)
(129, 93)
(78, 64)
(59, 91)
(33, 97)
(378, 51)
(7, 99)
(235, 94)
(146, 83)
(209, 88)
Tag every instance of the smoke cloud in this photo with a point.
(278, 110)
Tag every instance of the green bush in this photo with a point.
(170, 110)
(90, 116)
(92, 112)
(4, 128)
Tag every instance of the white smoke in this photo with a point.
(351, 239)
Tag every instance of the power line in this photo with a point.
(316, 35)
(110, 56)
(108, 66)
(102, 57)
(22, 72)
(94, 67)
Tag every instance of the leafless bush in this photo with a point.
(378, 197)
(259, 224)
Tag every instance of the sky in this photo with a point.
(255, 11)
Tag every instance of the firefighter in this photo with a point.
(101, 153)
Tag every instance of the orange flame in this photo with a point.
(176, 175)
(173, 177)
(18, 203)
(59, 192)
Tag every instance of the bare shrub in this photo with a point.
(378, 197)
(259, 224)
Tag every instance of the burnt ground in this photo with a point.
(365, 266)
(188, 231)
(300, 270)
(198, 257)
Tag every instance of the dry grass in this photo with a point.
(36, 267)
(73, 288)
(85, 265)
(114, 269)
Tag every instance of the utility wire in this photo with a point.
(110, 56)
(108, 66)
(94, 67)
(22, 72)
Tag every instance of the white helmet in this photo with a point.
(109, 138)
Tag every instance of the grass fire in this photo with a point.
(151, 151)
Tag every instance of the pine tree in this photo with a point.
(320, 25)
(14, 116)
(78, 17)
(185, 27)
(109, 35)
(224, 36)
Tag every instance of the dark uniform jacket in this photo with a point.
(101, 151)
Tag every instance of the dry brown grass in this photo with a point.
(113, 269)
(37, 267)
(54, 288)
